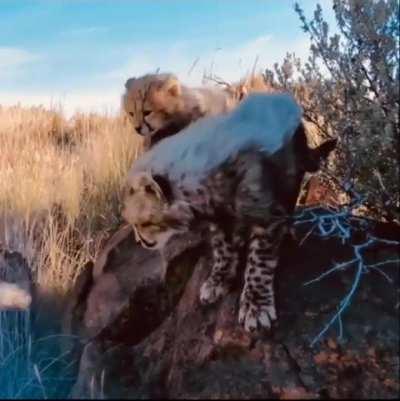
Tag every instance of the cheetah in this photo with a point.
(159, 105)
(240, 173)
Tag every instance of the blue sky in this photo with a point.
(80, 52)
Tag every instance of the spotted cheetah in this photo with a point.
(159, 105)
(241, 174)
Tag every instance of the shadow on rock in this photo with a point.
(153, 339)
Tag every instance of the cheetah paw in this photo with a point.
(210, 292)
(254, 317)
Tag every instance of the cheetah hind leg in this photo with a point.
(225, 261)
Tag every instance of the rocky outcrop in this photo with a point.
(157, 341)
(107, 288)
(319, 191)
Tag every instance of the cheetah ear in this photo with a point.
(165, 186)
(242, 92)
(150, 186)
(129, 82)
(172, 86)
(320, 154)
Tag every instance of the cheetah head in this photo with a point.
(147, 207)
(152, 102)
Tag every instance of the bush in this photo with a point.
(349, 88)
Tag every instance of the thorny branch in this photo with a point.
(342, 224)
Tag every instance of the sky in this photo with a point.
(79, 53)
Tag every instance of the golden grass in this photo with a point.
(60, 182)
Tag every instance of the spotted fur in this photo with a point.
(225, 261)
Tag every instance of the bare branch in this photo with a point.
(342, 224)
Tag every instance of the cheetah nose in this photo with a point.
(139, 130)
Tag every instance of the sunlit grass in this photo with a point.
(60, 183)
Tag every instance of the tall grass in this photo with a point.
(33, 367)
(60, 183)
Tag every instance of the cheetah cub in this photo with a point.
(241, 173)
(159, 105)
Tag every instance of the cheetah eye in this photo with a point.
(146, 113)
(148, 189)
(131, 114)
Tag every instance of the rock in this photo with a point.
(164, 344)
(104, 289)
(122, 295)
(321, 191)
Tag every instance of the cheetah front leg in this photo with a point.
(225, 261)
(257, 301)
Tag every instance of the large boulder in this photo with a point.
(105, 290)
(163, 344)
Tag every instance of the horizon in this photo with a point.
(77, 55)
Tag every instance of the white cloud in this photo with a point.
(102, 92)
(12, 57)
(229, 64)
(257, 54)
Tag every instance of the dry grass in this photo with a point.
(60, 182)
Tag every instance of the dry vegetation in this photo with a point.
(59, 186)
